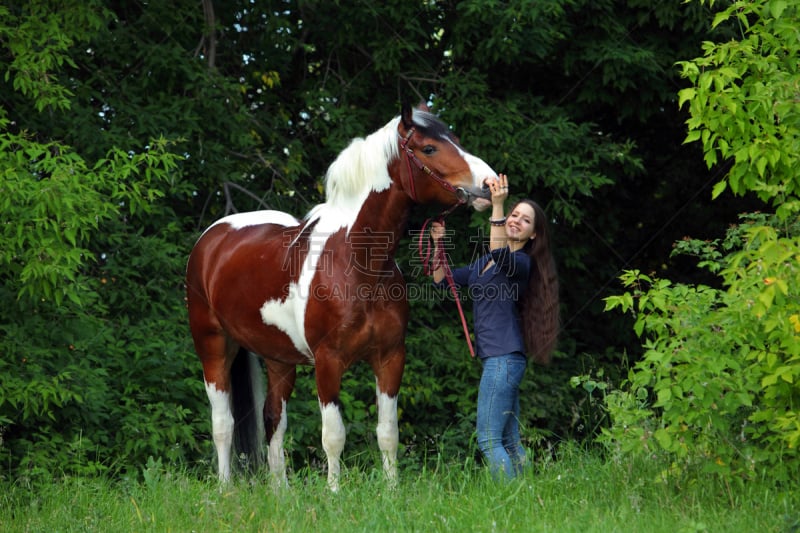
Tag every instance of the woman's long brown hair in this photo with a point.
(539, 306)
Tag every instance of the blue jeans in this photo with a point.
(498, 414)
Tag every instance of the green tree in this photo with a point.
(716, 388)
(128, 127)
(92, 262)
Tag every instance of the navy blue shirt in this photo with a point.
(495, 293)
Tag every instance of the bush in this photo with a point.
(717, 387)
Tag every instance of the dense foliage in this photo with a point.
(126, 128)
(717, 386)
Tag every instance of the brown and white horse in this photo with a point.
(322, 291)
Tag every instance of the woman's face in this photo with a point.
(519, 224)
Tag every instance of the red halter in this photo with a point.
(441, 259)
(461, 194)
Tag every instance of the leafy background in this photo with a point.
(128, 127)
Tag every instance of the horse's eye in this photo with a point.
(429, 150)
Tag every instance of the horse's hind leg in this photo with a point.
(215, 354)
(388, 374)
(280, 380)
(222, 426)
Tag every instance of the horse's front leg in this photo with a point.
(387, 432)
(388, 374)
(280, 379)
(329, 377)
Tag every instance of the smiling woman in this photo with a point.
(515, 296)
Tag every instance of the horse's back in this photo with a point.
(232, 231)
(256, 218)
(224, 243)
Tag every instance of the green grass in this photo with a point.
(576, 492)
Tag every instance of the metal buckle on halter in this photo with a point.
(406, 139)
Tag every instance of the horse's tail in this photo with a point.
(247, 384)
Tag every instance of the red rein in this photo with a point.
(432, 263)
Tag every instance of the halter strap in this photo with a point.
(461, 194)
(425, 251)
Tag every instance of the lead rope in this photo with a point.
(430, 264)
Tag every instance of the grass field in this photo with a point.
(578, 492)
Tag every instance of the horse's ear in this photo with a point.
(407, 115)
(423, 106)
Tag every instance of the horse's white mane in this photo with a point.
(359, 169)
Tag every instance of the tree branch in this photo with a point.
(211, 35)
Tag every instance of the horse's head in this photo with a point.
(440, 169)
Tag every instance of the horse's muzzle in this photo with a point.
(463, 195)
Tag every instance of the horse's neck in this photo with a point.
(381, 221)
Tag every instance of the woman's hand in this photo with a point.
(499, 189)
(437, 231)
(497, 233)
